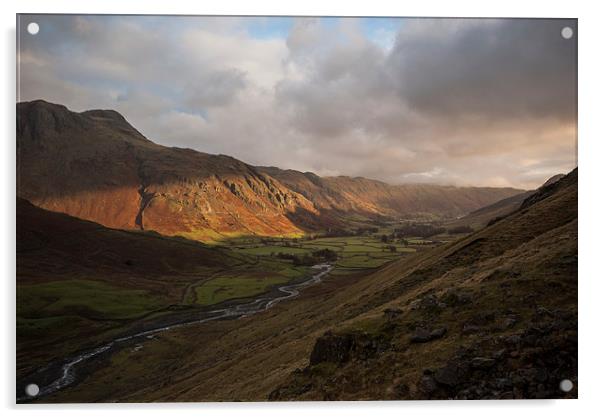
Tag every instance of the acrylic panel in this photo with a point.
(256, 208)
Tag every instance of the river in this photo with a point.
(65, 373)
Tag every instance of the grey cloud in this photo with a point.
(454, 101)
(214, 89)
(488, 68)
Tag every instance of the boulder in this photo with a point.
(482, 363)
(331, 348)
(447, 375)
(422, 335)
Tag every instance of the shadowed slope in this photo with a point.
(49, 243)
(498, 210)
(77, 280)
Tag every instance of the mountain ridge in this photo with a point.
(498, 210)
(95, 165)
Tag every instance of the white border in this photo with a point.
(590, 71)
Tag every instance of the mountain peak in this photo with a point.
(39, 119)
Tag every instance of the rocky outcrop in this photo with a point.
(341, 348)
(422, 335)
(529, 364)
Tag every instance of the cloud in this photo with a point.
(462, 101)
(486, 68)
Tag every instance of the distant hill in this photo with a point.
(94, 165)
(481, 217)
(361, 195)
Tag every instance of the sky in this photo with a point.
(482, 102)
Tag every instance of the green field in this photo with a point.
(254, 269)
(234, 287)
(87, 297)
(354, 253)
(272, 249)
(360, 262)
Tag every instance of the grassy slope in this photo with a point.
(519, 281)
(521, 268)
(480, 217)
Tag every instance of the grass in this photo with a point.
(293, 272)
(360, 248)
(317, 246)
(87, 298)
(233, 287)
(354, 252)
(269, 249)
(362, 262)
(30, 327)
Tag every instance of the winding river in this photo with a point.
(66, 372)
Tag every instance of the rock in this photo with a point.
(541, 311)
(499, 353)
(447, 376)
(470, 328)
(482, 363)
(438, 332)
(513, 339)
(392, 314)
(509, 322)
(331, 348)
(422, 335)
(428, 384)
(430, 304)
(340, 348)
(456, 298)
